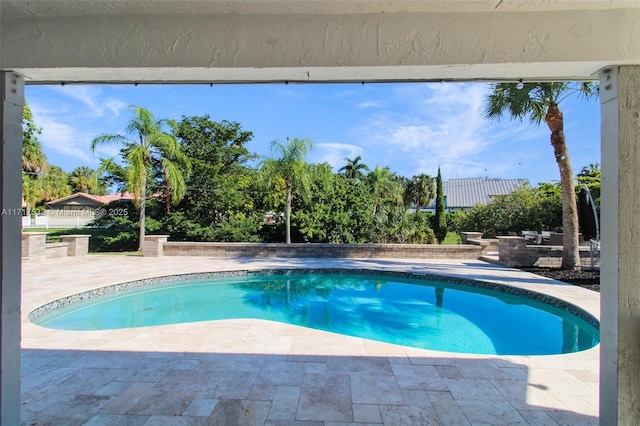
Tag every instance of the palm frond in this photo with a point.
(137, 170)
(109, 165)
(588, 90)
(531, 101)
(108, 139)
(142, 124)
(174, 181)
(170, 148)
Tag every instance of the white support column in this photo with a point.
(12, 92)
(620, 283)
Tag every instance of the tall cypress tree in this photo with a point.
(441, 219)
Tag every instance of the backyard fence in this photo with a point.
(46, 221)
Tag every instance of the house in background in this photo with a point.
(73, 211)
(464, 194)
(82, 204)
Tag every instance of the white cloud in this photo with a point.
(370, 104)
(91, 97)
(444, 126)
(335, 153)
(70, 117)
(62, 138)
(115, 106)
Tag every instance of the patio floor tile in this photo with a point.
(366, 413)
(239, 412)
(325, 397)
(369, 389)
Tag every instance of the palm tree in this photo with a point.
(420, 190)
(84, 179)
(385, 187)
(31, 192)
(55, 183)
(80, 179)
(148, 145)
(354, 168)
(538, 102)
(287, 163)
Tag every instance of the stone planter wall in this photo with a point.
(157, 246)
(514, 252)
(466, 236)
(489, 245)
(34, 246)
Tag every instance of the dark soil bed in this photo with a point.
(587, 279)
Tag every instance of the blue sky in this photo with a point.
(411, 127)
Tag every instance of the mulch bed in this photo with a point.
(587, 279)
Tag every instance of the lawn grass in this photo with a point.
(118, 253)
(452, 238)
(54, 234)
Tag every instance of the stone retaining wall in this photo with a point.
(158, 246)
(514, 252)
(34, 246)
(489, 245)
(53, 250)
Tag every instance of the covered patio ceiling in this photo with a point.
(213, 41)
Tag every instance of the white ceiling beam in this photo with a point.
(557, 44)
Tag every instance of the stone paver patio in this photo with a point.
(250, 372)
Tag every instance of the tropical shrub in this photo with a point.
(524, 209)
(398, 225)
(121, 230)
(339, 211)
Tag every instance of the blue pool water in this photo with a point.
(405, 311)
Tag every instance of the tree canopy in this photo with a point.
(41, 181)
(226, 195)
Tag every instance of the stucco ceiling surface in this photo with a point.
(50, 8)
(151, 41)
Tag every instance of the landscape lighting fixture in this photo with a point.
(520, 85)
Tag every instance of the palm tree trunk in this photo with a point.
(570, 243)
(143, 202)
(287, 215)
(167, 201)
(167, 192)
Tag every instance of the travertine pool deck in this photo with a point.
(251, 372)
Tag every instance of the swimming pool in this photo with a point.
(423, 311)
